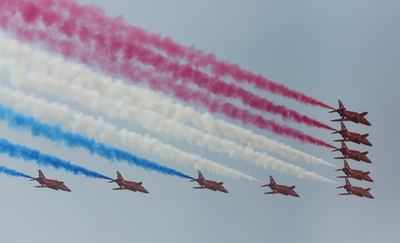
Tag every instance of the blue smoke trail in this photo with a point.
(25, 153)
(12, 172)
(56, 134)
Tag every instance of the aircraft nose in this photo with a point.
(65, 188)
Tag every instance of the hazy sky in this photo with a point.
(329, 49)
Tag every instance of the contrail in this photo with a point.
(12, 172)
(104, 132)
(115, 34)
(56, 134)
(104, 54)
(27, 154)
(159, 115)
(229, 110)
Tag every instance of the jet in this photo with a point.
(355, 174)
(354, 190)
(353, 116)
(128, 185)
(50, 183)
(352, 154)
(209, 184)
(281, 189)
(351, 136)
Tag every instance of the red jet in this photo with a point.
(281, 189)
(354, 190)
(209, 184)
(128, 185)
(355, 174)
(351, 136)
(352, 154)
(351, 115)
(49, 183)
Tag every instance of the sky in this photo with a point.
(327, 49)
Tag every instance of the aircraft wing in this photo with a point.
(118, 188)
(199, 187)
(40, 186)
(339, 120)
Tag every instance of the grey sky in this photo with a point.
(328, 49)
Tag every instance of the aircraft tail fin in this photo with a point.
(342, 126)
(346, 164)
(200, 175)
(41, 174)
(341, 106)
(119, 176)
(271, 180)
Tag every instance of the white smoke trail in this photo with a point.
(106, 133)
(55, 82)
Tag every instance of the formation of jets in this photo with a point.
(203, 183)
(348, 136)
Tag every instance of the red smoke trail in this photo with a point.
(215, 106)
(71, 49)
(129, 33)
(108, 44)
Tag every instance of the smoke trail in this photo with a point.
(12, 172)
(27, 154)
(105, 53)
(74, 80)
(150, 121)
(107, 133)
(212, 105)
(56, 134)
(125, 33)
